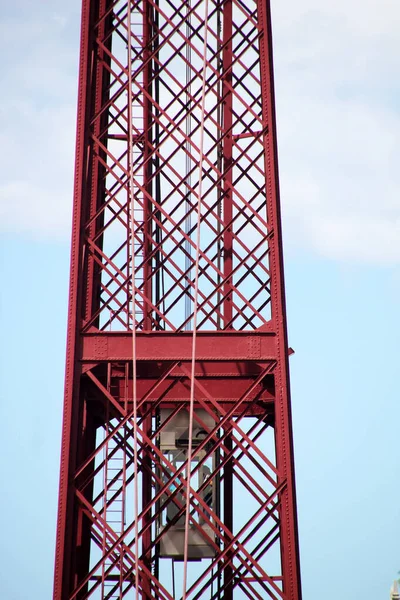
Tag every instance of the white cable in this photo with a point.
(195, 303)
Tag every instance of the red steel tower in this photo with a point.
(177, 475)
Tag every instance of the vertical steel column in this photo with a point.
(283, 417)
(64, 547)
(227, 120)
(148, 316)
(227, 159)
(146, 508)
(228, 516)
(147, 158)
(96, 176)
(87, 444)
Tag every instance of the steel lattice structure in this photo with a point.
(138, 157)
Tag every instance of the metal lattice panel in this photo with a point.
(171, 100)
(166, 94)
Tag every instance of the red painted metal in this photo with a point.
(241, 372)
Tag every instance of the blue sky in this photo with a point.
(337, 73)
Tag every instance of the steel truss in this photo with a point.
(133, 240)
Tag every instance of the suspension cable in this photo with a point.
(195, 302)
(131, 207)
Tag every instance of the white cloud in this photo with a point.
(340, 185)
(35, 210)
(338, 127)
(336, 68)
(37, 121)
(37, 161)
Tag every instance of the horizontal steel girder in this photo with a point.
(160, 345)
